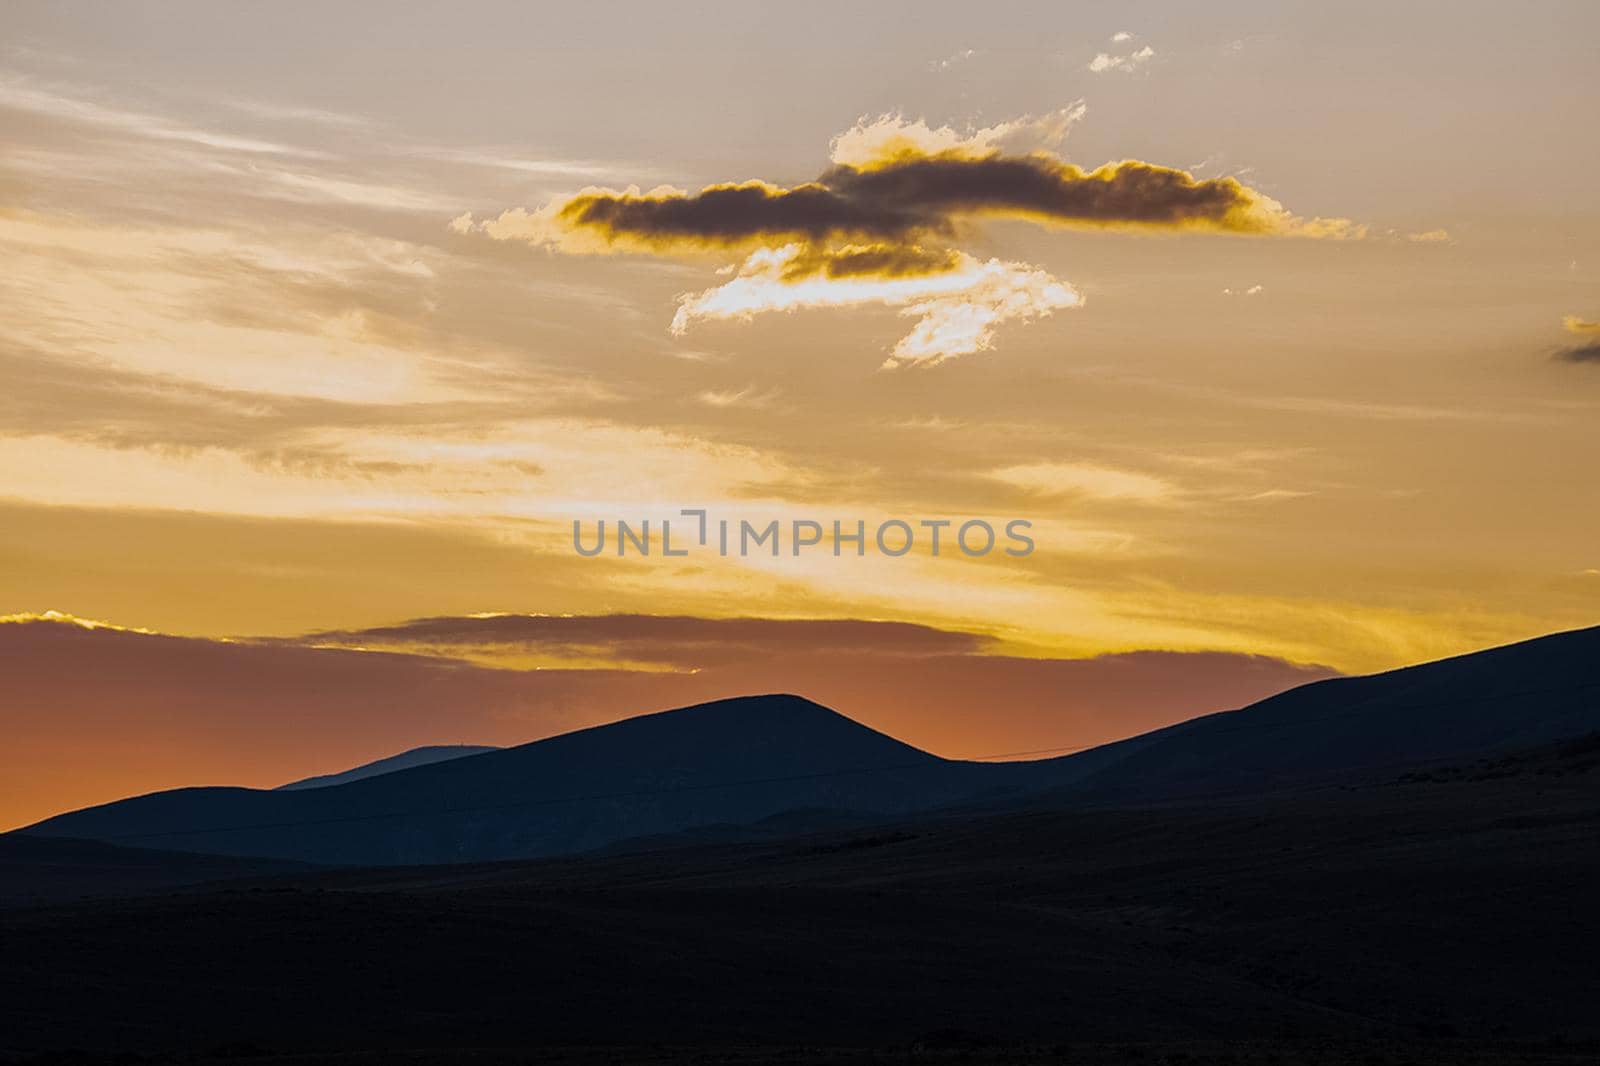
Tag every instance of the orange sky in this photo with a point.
(95, 714)
(319, 319)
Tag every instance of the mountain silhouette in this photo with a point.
(694, 772)
(1518, 696)
(403, 761)
(731, 761)
(1316, 927)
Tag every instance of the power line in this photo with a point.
(930, 762)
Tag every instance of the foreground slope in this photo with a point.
(35, 870)
(1457, 909)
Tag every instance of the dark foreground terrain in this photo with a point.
(1442, 915)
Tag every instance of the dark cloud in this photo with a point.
(911, 197)
(877, 260)
(1129, 193)
(739, 214)
(895, 206)
(675, 641)
(1585, 353)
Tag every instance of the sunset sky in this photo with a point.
(1280, 323)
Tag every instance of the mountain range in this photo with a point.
(749, 761)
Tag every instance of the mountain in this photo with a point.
(732, 761)
(701, 772)
(1518, 696)
(404, 761)
(1402, 921)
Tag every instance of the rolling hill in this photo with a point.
(1518, 696)
(685, 773)
(731, 761)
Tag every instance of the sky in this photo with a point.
(320, 326)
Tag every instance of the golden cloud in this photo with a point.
(882, 225)
(957, 308)
(893, 136)
(1086, 480)
(907, 198)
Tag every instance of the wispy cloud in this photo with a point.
(18, 94)
(1087, 480)
(319, 188)
(748, 397)
(519, 164)
(296, 113)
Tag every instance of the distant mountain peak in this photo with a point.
(747, 723)
(412, 757)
